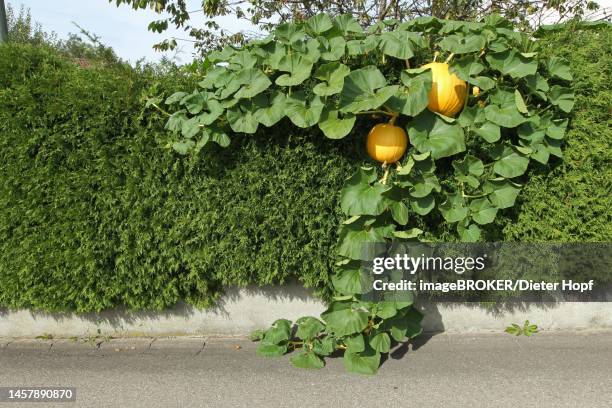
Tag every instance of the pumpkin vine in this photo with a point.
(468, 107)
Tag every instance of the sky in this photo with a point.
(122, 28)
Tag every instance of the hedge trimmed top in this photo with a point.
(305, 71)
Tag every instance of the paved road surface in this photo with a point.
(492, 370)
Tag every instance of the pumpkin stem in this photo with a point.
(393, 118)
(436, 54)
(450, 57)
(386, 175)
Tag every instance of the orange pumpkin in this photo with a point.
(448, 92)
(386, 143)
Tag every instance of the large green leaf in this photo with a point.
(520, 102)
(242, 119)
(254, 82)
(333, 74)
(333, 49)
(356, 238)
(561, 97)
(352, 279)
(307, 359)
(355, 343)
(273, 111)
(469, 170)
(512, 63)
(502, 193)
(289, 33)
(324, 347)
(363, 195)
(183, 147)
(538, 85)
(361, 47)
(271, 350)
(346, 24)
(279, 332)
(423, 185)
(466, 67)
(462, 44)
(470, 233)
(366, 362)
(429, 133)
(381, 342)
(484, 83)
(399, 44)
(482, 211)
(509, 163)
(217, 77)
(308, 327)
(453, 209)
(344, 320)
(213, 134)
(335, 127)
(556, 129)
(558, 67)
(488, 131)
(243, 60)
(298, 68)
(175, 98)
(404, 324)
(302, 112)
(365, 89)
(423, 205)
(176, 120)
(414, 97)
(320, 23)
(507, 116)
(469, 165)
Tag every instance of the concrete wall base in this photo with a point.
(244, 310)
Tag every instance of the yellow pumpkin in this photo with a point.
(386, 143)
(448, 92)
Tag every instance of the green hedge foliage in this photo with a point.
(95, 211)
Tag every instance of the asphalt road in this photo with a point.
(493, 370)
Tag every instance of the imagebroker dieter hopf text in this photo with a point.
(482, 285)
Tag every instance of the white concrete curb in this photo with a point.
(243, 310)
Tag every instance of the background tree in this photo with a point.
(207, 34)
(85, 47)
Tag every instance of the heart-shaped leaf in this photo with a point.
(512, 63)
(365, 89)
(307, 359)
(254, 82)
(362, 363)
(462, 44)
(482, 211)
(301, 112)
(344, 320)
(561, 97)
(363, 195)
(299, 68)
(333, 74)
(273, 111)
(319, 24)
(335, 127)
(507, 116)
(453, 209)
(509, 163)
(429, 133)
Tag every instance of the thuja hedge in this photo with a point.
(94, 212)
